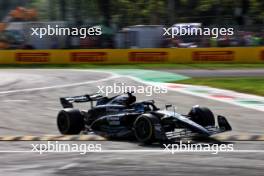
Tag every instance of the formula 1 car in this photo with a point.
(122, 117)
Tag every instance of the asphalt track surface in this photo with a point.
(29, 111)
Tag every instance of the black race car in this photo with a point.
(123, 117)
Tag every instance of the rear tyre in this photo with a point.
(70, 121)
(202, 115)
(144, 129)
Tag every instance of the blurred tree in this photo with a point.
(52, 13)
(131, 12)
(105, 9)
(5, 7)
(77, 11)
(256, 11)
(63, 9)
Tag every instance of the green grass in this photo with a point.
(252, 85)
(139, 66)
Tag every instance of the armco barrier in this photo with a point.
(128, 56)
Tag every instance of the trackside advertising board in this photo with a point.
(130, 56)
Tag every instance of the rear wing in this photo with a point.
(67, 102)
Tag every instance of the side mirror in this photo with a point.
(168, 106)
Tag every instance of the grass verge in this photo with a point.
(252, 85)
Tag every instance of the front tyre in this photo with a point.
(144, 129)
(70, 121)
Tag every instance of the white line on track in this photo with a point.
(19, 101)
(59, 86)
(135, 151)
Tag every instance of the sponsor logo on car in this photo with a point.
(213, 55)
(88, 56)
(32, 57)
(148, 56)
